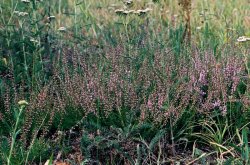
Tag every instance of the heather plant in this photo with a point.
(115, 83)
(109, 85)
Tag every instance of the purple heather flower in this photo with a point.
(202, 78)
(223, 110)
(150, 104)
(217, 103)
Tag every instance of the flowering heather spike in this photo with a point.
(161, 99)
(204, 84)
(150, 104)
(202, 77)
(217, 103)
(223, 110)
(7, 101)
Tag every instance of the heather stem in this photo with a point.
(172, 135)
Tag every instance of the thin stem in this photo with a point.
(12, 12)
(24, 50)
(38, 45)
(127, 35)
(172, 136)
(159, 154)
(59, 12)
(33, 140)
(75, 18)
(14, 134)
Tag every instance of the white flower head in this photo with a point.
(131, 11)
(62, 29)
(23, 102)
(137, 12)
(119, 11)
(198, 28)
(243, 39)
(147, 9)
(128, 2)
(25, 1)
(125, 12)
(33, 40)
(51, 17)
(5, 61)
(20, 13)
(128, 12)
(142, 11)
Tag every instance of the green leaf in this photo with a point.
(156, 138)
(245, 148)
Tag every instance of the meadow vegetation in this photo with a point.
(124, 82)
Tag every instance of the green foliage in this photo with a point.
(126, 87)
(156, 139)
(39, 151)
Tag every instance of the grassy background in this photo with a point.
(109, 88)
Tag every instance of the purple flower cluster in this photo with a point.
(159, 89)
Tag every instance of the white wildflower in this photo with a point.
(137, 12)
(128, 2)
(25, 1)
(125, 12)
(51, 17)
(5, 61)
(62, 28)
(198, 28)
(147, 9)
(22, 14)
(33, 40)
(142, 11)
(23, 102)
(113, 5)
(131, 11)
(119, 11)
(243, 39)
